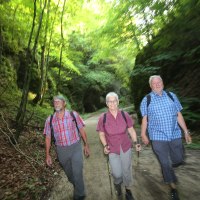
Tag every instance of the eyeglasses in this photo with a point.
(57, 101)
(157, 83)
(110, 102)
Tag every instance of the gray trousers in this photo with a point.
(71, 160)
(169, 153)
(121, 167)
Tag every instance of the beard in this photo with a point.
(58, 109)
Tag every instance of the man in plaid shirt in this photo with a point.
(68, 144)
(163, 119)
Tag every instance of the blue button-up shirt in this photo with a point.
(162, 115)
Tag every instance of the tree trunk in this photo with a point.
(43, 63)
(22, 110)
(61, 50)
(1, 44)
(14, 15)
(48, 51)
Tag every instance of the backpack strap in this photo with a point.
(123, 115)
(52, 131)
(104, 121)
(148, 100)
(104, 118)
(170, 95)
(74, 119)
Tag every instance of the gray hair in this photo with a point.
(154, 76)
(112, 94)
(60, 97)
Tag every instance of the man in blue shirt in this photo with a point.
(163, 119)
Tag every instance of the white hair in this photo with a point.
(112, 94)
(60, 97)
(154, 76)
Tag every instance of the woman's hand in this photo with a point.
(106, 149)
(138, 147)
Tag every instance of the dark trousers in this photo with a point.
(169, 153)
(71, 160)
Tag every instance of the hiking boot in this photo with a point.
(129, 195)
(79, 198)
(178, 164)
(118, 189)
(174, 194)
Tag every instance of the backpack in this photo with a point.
(104, 118)
(51, 126)
(149, 98)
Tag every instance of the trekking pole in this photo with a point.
(138, 153)
(109, 175)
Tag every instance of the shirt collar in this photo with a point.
(155, 94)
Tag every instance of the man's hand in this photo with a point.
(49, 160)
(188, 138)
(145, 139)
(86, 150)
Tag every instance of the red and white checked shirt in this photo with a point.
(65, 131)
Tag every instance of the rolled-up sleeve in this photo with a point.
(130, 121)
(47, 129)
(177, 102)
(100, 127)
(143, 107)
(79, 120)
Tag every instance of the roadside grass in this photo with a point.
(88, 115)
(195, 145)
(36, 115)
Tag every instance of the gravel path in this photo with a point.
(148, 184)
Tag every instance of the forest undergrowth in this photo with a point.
(24, 174)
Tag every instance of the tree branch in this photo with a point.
(16, 146)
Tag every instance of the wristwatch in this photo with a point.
(187, 132)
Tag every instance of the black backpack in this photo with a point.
(51, 126)
(104, 118)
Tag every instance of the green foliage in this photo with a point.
(166, 56)
(99, 78)
(191, 111)
(195, 146)
(100, 41)
(175, 58)
(7, 74)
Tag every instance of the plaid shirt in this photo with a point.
(162, 116)
(65, 131)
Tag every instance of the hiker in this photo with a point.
(67, 131)
(113, 128)
(162, 118)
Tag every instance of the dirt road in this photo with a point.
(148, 184)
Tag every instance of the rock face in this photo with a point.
(174, 54)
